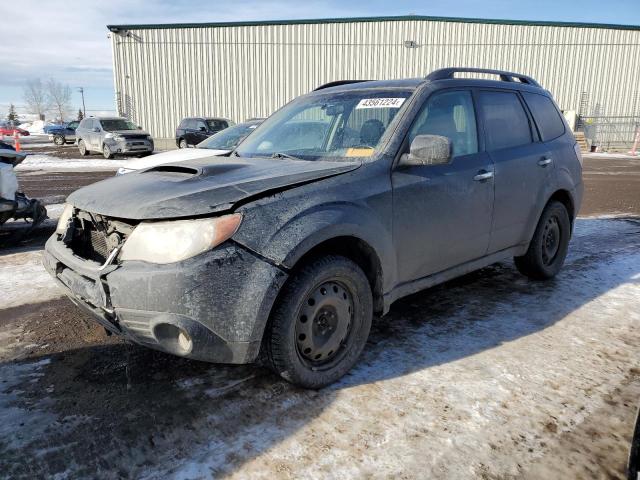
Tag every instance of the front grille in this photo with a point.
(90, 243)
(135, 137)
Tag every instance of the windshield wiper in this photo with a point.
(284, 155)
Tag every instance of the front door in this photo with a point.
(442, 213)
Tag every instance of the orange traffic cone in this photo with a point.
(16, 140)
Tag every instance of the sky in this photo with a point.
(70, 42)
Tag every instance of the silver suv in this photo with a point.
(112, 136)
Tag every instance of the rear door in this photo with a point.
(523, 166)
(442, 213)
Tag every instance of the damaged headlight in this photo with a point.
(63, 221)
(168, 242)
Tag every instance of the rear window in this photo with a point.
(506, 124)
(545, 115)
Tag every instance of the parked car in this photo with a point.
(222, 143)
(112, 136)
(51, 126)
(62, 134)
(194, 130)
(285, 250)
(9, 131)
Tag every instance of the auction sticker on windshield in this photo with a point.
(380, 102)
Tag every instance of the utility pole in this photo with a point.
(84, 110)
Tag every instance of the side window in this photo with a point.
(449, 114)
(72, 125)
(183, 124)
(546, 116)
(200, 125)
(506, 124)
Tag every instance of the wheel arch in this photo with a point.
(564, 197)
(357, 250)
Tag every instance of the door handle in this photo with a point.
(483, 176)
(544, 162)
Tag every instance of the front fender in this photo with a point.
(307, 228)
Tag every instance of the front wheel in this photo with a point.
(183, 143)
(321, 322)
(59, 140)
(106, 152)
(82, 147)
(549, 245)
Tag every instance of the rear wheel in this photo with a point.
(82, 147)
(183, 143)
(321, 322)
(549, 245)
(59, 140)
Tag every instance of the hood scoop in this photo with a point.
(174, 170)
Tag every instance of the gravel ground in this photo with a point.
(488, 376)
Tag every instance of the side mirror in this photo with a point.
(139, 127)
(202, 129)
(96, 129)
(428, 150)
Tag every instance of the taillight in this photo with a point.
(576, 148)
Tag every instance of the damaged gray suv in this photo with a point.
(343, 201)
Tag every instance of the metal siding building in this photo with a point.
(163, 73)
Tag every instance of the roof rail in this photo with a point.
(447, 73)
(337, 83)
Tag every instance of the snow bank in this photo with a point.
(50, 163)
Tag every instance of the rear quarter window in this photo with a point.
(506, 123)
(546, 116)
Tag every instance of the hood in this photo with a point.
(129, 133)
(198, 187)
(172, 156)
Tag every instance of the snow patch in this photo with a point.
(24, 280)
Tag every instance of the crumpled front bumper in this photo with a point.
(220, 299)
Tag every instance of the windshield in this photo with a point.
(118, 124)
(330, 126)
(229, 138)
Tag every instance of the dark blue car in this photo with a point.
(62, 134)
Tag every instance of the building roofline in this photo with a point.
(404, 18)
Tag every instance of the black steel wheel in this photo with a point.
(548, 248)
(320, 323)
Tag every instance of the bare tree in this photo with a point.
(60, 97)
(36, 98)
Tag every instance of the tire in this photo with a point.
(320, 322)
(82, 147)
(106, 152)
(59, 140)
(183, 143)
(549, 245)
